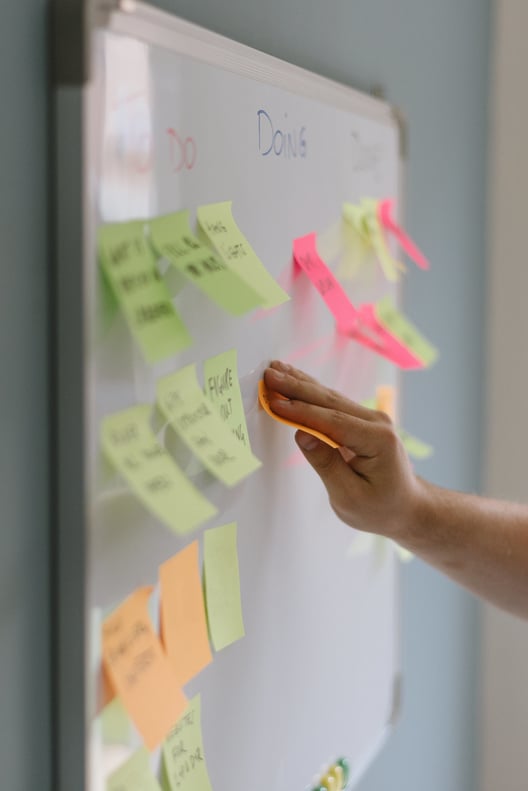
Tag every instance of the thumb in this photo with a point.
(327, 462)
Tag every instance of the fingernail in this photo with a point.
(277, 374)
(280, 366)
(307, 441)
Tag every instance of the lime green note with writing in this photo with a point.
(222, 585)
(184, 766)
(131, 447)
(184, 405)
(402, 329)
(130, 268)
(217, 223)
(134, 775)
(172, 238)
(223, 390)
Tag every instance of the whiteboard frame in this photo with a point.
(73, 310)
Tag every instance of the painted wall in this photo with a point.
(24, 617)
(431, 58)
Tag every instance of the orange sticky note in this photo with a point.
(264, 395)
(386, 400)
(183, 623)
(139, 671)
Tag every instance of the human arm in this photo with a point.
(480, 543)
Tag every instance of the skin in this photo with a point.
(480, 543)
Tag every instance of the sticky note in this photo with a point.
(200, 426)
(217, 223)
(183, 622)
(132, 448)
(184, 763)
(264, 396)
(134, 775)
(391, 267)
(115, 723)
(385, 209)
(172, 238)
(139, 671)
(392, 320)
(130, 267)
(305, 256)
(414, 446)
(222, 585)
(222, 388)
(386, 400)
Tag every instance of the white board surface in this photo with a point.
(315, 676)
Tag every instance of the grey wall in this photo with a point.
(431, 56)
(24, 612)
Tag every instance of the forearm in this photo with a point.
(480, 543)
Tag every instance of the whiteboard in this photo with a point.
(175, 117)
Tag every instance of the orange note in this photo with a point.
(264, 396)
(139, 671)
(183, 623)
(386, 400)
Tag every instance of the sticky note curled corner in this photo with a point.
(264, 396)
(134, 775)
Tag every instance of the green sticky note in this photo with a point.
(199, 425)
(134, 775)
(222, 388)
(132, 448)
(115, 723)
(217, 223)
(184, 763)
(391, 318)
(222, 585)
(129, 264)
(172, 238)
(414, 446)
(369, 403)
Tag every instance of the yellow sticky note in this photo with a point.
(200, 426)
(134, 775)
(391, 267)
(183, 622)
(217, 223)
(130, 267)
(172, 238)
(222, 585)
(223, 390)
(264, 397)
(184, 763)
(132, 448)
(139, 671)
(115, 723)
(402, 329)
(414, 446)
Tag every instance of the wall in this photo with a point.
(432, 59)
(24, 613)
(505, 639)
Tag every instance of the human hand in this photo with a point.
(369, 479)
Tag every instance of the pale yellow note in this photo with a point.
(130, 267)
(222, 585)
(184, 763)
(134, 775)
(132, 448)
(402, 329)
(217, 223)
(139, 670)
(200, 426)
(222, 388)
(391, 267)
(115, 723)
(183, 622)
(415, 447)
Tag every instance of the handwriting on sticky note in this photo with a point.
(222, 585)
(222, 388)
(132, 448)
(130, 267)
(409, 336)
(172, 238)
(416, 448)
(183, 753)
(385, 214)
(305, 255)
(139, 671)
(183, 622)
(134, 775)
(217, 223)
(200, 426)
(264, 401)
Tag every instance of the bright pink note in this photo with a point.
(386, 219)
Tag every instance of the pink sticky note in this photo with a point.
(374, 335)
(385, 208)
